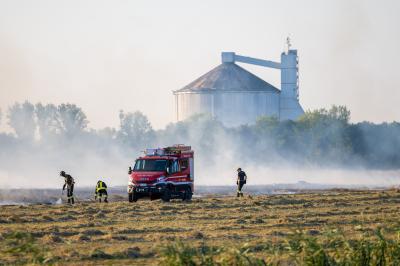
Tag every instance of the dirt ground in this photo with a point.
(122, 233)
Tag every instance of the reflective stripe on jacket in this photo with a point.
(101, 186)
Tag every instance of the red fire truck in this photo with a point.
(166, 173)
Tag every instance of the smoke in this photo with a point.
(63, 143)
(39, 167)
(315, 177)
(265, 165)
(321, 148)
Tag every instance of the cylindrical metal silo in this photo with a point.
(229, 93)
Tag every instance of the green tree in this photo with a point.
(72, 120)
(266, 129)
(322, 116)
(48, 120)
(135, 129)
(324, 135)
(21, 117)
(339, 113)
(265, 124)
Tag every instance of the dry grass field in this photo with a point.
(307, 228)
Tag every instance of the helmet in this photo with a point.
(62, 173)
(239, 169)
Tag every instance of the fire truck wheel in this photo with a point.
(166, 196)
(132, 197)
(187, 195)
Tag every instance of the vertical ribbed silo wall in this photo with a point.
(231, 108)
(189, 104)
(239, 108)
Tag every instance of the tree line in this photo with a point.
(318, 138)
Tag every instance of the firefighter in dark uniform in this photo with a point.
(69, 183)
(101, 189)
(241, 180)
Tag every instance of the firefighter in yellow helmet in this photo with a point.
(101, 190)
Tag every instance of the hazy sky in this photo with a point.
(110, 55)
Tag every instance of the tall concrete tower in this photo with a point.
(289, 99)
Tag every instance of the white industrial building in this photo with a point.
(235, 96)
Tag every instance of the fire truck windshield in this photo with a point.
(149, 165)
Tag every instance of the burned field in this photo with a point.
(307, 228)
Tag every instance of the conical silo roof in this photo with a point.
(228, 77)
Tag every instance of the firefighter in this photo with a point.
(101, 189)
(241, 180)
(69, 183)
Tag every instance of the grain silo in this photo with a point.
(235, 96)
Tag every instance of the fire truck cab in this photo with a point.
(166, 173)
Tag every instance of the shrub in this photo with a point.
(337, 250)
(180, 254)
